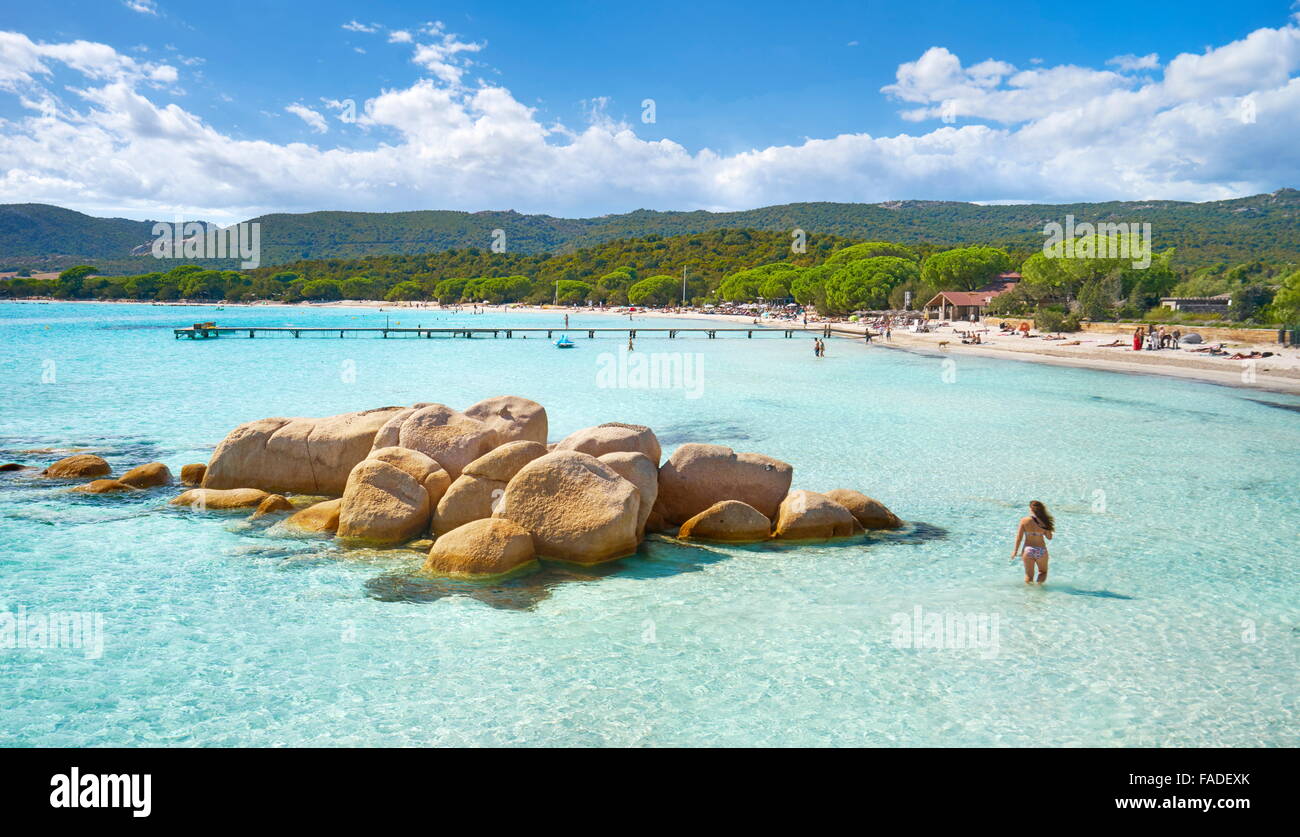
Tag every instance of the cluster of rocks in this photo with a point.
(495, 496)
(96, 468)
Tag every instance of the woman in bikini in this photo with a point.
(1035, 530)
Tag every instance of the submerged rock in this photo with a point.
(220, 499)
(12, 466)
(612, 437)
(295, 455)
(870, 513)
(192, 474)
(103, 487)
(80, 465)
(696, 476)
(318, 518)
(807, 515)
(273, 504)
(513, 418)
(730, 521)
(576, 507)
(382, 505)
(482, 549)
(149, 475)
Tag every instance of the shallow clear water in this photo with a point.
(1170, 618)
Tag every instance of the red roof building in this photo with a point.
(968, 305)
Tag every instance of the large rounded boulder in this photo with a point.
(513, 418)
(872, 514)
(696, 476)
(481, 550)
(577, 508)
(477, 492)
(451, 438)
(382, 505)
(149, 475)
(611, 437)
(423, 468)
(78, 467)
(730, 521)
(295, 455)
(809, 516)
(637, 469)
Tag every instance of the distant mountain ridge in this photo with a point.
(1267, 227)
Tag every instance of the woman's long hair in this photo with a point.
(1039, 511)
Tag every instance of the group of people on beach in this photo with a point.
(1149, 338)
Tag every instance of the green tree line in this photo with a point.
(832, 275)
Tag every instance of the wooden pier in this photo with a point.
(206, 331)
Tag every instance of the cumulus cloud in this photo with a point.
(1207, 126)
(147, 7)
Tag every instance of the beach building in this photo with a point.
(1198, 304)
(968, 305)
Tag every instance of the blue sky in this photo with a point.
(538, 106)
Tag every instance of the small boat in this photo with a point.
(564, 342)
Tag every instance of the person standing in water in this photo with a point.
(1035, 530)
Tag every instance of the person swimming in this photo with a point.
(1035, 530)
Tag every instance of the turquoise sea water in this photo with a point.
(1170, 617)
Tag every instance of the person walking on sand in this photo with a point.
(1137, 339)
(1035, 531)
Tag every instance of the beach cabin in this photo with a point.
(968, 305)
(1198, 304)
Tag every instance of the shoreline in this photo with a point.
(1279, 373)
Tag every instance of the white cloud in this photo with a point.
(314, 119)
(399, 36)
(354, 26)
(1054, 133)
(1129, 63)
(23, 62)
(147, 7)
(444, 56)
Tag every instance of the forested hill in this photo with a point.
(1263, 227)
